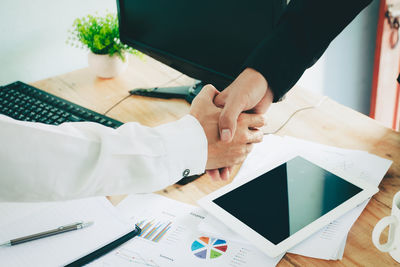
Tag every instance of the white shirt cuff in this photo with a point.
(186, 148)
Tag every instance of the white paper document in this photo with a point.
(329, 242)
(21, 219)
(170, 237)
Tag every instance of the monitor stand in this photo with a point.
(186, 92)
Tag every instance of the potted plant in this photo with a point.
(108, 56)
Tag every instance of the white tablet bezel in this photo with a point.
(264, 244)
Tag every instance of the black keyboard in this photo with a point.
(27, 103)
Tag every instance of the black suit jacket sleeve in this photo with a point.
(302, 34)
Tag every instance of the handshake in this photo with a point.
(230, 132)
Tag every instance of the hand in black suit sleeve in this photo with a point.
(302, 34)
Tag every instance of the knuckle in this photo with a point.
(241, 118)
(237, 153)
(246, 119)
(260, 136)
(263, 120)
(244, 138)
(208, 86)
(251, 137)
(239, 160)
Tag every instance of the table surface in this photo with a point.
(330, 123)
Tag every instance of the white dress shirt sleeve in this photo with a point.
(44, 162)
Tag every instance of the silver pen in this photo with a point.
(59, 230)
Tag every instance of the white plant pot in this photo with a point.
(105, 66)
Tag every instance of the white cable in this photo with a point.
(294, 113)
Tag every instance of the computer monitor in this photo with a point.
(208, 40)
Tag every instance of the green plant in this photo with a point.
(100, 35)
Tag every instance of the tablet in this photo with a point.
(283, 206)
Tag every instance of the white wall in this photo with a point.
(344, 72)
(33, 35)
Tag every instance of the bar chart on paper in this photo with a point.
(152, 230)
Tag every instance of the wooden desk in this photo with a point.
(330, 123)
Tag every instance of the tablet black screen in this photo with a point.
(284, 200)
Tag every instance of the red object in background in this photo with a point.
(385, 97)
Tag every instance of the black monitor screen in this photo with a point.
(208, 40)
(282, 201)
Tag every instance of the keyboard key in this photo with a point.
(74, 118)
(43, 119)
(65, 115)
(60, 120)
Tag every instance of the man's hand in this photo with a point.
(222, 154)
(248, 92)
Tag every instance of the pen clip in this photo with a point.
(69, 225)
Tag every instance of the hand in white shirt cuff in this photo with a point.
(186, 145)
(46, 162)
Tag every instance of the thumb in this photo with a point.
(208, 92)
(220, 99)
(228, 121)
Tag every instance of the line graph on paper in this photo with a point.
(134, 258)
(126, 257)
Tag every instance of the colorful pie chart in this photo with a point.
(208, 248)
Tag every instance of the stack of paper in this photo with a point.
(170, 237)
(328, 243)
